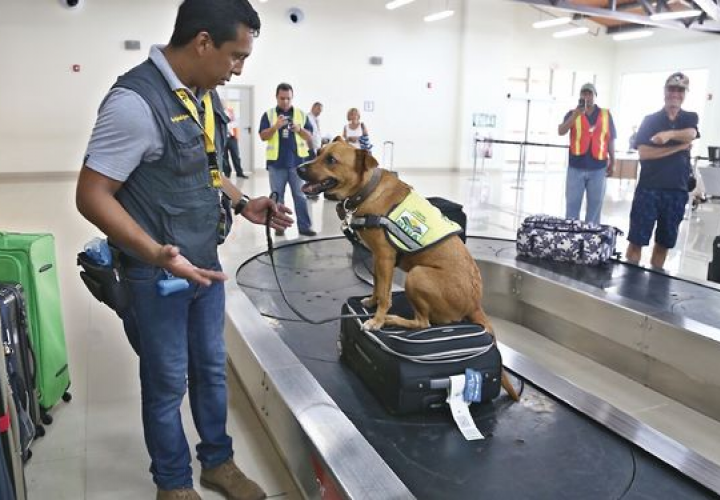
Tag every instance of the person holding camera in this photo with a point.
(663, 141)
(287, 132)
(151, 182)
(591, 157)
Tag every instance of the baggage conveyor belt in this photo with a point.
(539, 448)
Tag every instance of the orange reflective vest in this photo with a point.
(584, 137)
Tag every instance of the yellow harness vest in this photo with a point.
(272, 149)
(412, 226)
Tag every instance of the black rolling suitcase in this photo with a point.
(20, 364)
(714, 265)
(6, 490)
(453, 211)
(407, 370)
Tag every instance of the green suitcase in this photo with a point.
(29, 259)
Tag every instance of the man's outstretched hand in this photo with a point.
(169, 258)
(256, 212)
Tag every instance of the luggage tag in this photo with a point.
(461, 409)
(473, 386)
(171, 284)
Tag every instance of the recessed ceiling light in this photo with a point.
(676, 14)
(632, 35)
(439, 15)
(397, 3)
(548, 23)
(571, 32)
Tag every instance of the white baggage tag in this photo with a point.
(461, 409)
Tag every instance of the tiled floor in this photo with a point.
(95, 449)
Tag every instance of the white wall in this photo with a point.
(498, 37)
(325, 58)
(47, 111)
(670, 52)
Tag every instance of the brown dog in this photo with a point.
(443, 282)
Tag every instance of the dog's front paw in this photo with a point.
(369, 302)
(372, 325)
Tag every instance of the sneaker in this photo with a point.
(180, 494)
(243, 176)
(231, 482)
(308, 232)
(279, 232)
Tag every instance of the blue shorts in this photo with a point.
(651, 206)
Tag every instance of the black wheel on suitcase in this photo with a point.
(45, 417)
(39, 431)
(67, 397)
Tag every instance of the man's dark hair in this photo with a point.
(220, 18)
(283, 86)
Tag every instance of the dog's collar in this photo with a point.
(350, 204)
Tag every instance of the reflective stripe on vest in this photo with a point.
(272, 148)
(597, 141)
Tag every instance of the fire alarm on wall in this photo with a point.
(76, 68)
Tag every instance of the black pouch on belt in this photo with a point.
(106, 283)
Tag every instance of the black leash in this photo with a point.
(270, 251)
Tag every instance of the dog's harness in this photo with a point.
(412, 226)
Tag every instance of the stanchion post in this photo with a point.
(475, 145)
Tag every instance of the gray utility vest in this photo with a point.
(172, 198)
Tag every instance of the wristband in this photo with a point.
(241, 204)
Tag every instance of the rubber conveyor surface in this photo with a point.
(538, 448)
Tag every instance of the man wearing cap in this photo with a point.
(592, 155)
(663, 143)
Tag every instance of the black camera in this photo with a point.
(582, 103)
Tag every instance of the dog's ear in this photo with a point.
(338, 138)
(364, 160)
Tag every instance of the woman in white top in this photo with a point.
(354, 129)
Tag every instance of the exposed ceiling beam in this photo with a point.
(710, 7)
(618, 15)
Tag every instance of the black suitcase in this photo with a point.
(6, 490)
(453, 211)
(407, 370)
(714, 265)
(20, 363)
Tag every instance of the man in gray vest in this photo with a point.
(151, 183)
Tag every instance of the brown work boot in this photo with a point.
(229, 480)
(180, 494)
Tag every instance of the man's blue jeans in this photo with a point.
(279, 177)
(179, 339)
(582, 181)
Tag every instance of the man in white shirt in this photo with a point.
(316, 136)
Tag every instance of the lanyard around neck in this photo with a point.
(208, 129)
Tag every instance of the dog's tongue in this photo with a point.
(308, 188)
